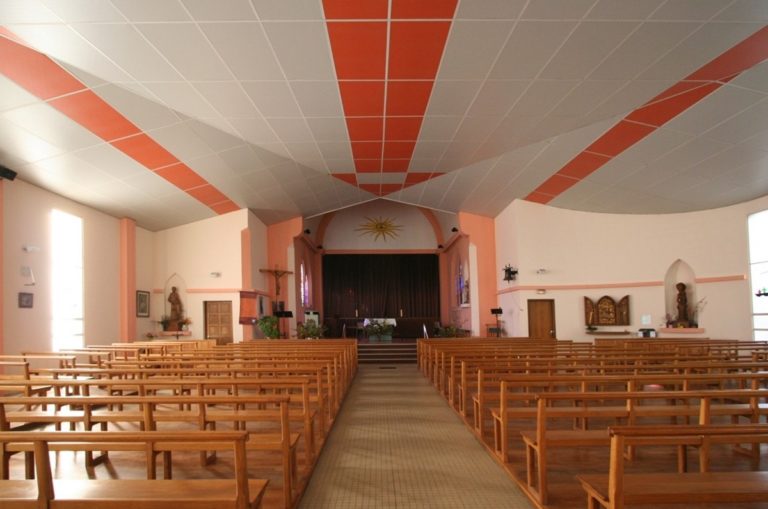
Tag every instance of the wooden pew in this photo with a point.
(147, 412)
(621, 408)
(239, 492)
(618, 488)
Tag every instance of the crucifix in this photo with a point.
(278, 274)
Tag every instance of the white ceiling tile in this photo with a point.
(714, 109)
(256, 130)
(272, 98)
(221, 10)
(293, 10)
(152, 10)
(623, 9)
(26, 11)
(642, 48)
(245, 49)
(291, 129)
(335, 150)
(490, 9)
(110, 161)
(215, 138)
(429, 149)
(318, 98)
(142, 112)
(472, 47)
(629, 97)
(227, 97)
(70, 168)
(340, 165)
(188, 51)
(452, 97)
(689, 9)
(328, 128)
(152, 184)
(745, 10)
(180, 141)
(22, 144)
(743, 125)
(125, 46)
(497, 97)
(183, 98)
(13, 96)
(707, 43)
(64, 43)
(84, 11)
(241, 160)
(439, 128)
(530, 46)
(557, 9)
(52, 126)
(302, 49)
(587, 46)
(542, 96)
(476, 128)
(755, 78)
(586, 97)
(655, 145)
(307, 154)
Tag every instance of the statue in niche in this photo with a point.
(682, 306)
(177, 309)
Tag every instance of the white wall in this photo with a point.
(186, 255)
(593, 255)
(26, 213)
(144, 266)
(415, 230)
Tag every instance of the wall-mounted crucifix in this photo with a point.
(278, 274)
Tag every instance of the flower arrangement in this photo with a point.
(310, 330)
(378, 329)
(270, 326)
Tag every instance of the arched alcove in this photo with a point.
(679, 272)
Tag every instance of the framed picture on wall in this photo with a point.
(142, 303)
(26, 299)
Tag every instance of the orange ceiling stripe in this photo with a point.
(355, 9)
(44, 78)
(93, 113)
(359, 47)
(658, 111)
(37, 73)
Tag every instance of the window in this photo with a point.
(304, 279)
(758, 259)
(67, 281)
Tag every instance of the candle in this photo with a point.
(401, 312)
(355, 312)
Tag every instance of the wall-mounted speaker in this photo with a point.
(7, 173)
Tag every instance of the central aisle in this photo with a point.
(396, 444)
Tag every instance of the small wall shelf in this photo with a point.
(175, 333)
(609, 333)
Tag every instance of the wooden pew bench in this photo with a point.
(45, 491)
(146, 412)
(615, 408)
(15, 377)
(618, 488)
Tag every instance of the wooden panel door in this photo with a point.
(218, 321)
(541, 318)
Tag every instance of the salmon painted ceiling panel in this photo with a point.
(173, 111)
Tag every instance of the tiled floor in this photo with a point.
(396, 444)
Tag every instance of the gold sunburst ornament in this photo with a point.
(379, 228)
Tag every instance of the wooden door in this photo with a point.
(541, 318)
(218, 321)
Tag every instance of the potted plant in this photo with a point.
(310, 330)
(164, 322)
(376, 330)
(269, 325)
(184, 323)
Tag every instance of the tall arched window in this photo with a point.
(306, 301)
(758, 260)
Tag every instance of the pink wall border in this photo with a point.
(626, 284)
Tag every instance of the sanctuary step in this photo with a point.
(386, 353)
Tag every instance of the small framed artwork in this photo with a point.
(26, 300)
(142, 303)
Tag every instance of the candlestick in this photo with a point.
(401, 312)
(355, 312)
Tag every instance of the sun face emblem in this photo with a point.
(379, 228)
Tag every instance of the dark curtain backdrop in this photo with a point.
(379, 286)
